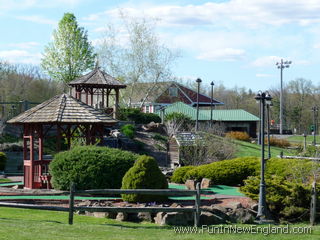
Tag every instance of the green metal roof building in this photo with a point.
(232, 119)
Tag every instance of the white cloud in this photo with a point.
(24, 45)
(226, 54)
(20, 56)
(266, 61)
(249, 12)
(37, 19)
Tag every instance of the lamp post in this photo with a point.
(269, 104)
(263, 98)
(281, 65)
(197, 119)
(211, 120)
(315, 127)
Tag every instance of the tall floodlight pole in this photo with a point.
(197, 119)
(211, 119)
(262, 98)
(281, 65)
(315, 127)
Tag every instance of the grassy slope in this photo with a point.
(4, 180)
(300, 139)
(35, 224)
(251, 149)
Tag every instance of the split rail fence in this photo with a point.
(164, 192)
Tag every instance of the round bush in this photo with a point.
(228, 172)
(3, 159)
(179, 175)
(128, 130)
(145, 174)
(90, 167)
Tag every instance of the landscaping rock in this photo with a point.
(159, 218)
(190, 184)
(234, 205)
(100, 214)
(206, 183)
(122, 216)
(144, 216)
(207, 218)
(175, 218)
(242, 215)
(255, 207)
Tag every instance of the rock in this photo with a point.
(190, 184)
(111, 215)
(234, 205)
(242, 215)
(175, 218)
(17, 187)
(205, 183)
(175, 205)
(100, 214)
(255, 207)
(84, 203)
(90, 214)
(122, 216)
(144, 216)
(159, 217)
(207, 218)
(220, 214)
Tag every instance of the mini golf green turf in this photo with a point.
(6, 184)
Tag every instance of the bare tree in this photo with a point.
(135, 54)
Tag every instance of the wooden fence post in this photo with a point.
(313, 207)
(71, 203)
(197, 206)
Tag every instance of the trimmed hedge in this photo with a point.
(90, 167)
(145, 174)
(134, 114)
(242, 136)
(228, 172)
(3, 160)
(179, 175)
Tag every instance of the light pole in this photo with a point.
(269, 104)
(197, 119)
(211, 120)
(263, 98)
(315, 127)
(281, 65)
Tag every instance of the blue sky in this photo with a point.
(235, 42)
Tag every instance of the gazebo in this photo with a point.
(95, 88)
(64, 114)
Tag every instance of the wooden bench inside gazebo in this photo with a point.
(64, 114)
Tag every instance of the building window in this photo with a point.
(173, 92)
(147, 109)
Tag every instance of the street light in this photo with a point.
(269, 104)
(211, 120)
(281, 65)
(315, 109)
(198, 81)
(263, 98)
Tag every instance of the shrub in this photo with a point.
(6, 138)
(182, 120)
(90, 167)
(282, 143)
(145, 174)
(287, 200)
(128, 130)
(134, 114)
(229, 172)
(242, 136)
(3, 159)
(179, 175)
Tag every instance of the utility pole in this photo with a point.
(197, 119)
(315, 127)
(211, 119)
(281, 65)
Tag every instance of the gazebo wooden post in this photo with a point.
(102, 98)
(58, 143)
(31, 170)
(108, 93)
(69, 136)
(91, 92)
(86, 90)
(116, 107)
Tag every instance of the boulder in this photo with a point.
(144, 216)
(242, 215)
(159, 217)
(175, 218)
(207, 218)
(100, 214)
(190, 184)
(206, 183)
(122, 216)
(234, 205)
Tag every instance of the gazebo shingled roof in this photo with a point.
(97, 78)
(62, 109)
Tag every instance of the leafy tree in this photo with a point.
(70, 53)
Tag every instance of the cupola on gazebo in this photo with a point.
(95, 89)
(67, 116)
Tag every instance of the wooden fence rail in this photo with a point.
(166, 192)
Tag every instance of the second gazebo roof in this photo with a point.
(97, 78)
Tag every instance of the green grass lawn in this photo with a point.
(300, 139)
(23, 224)
(251, 149)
